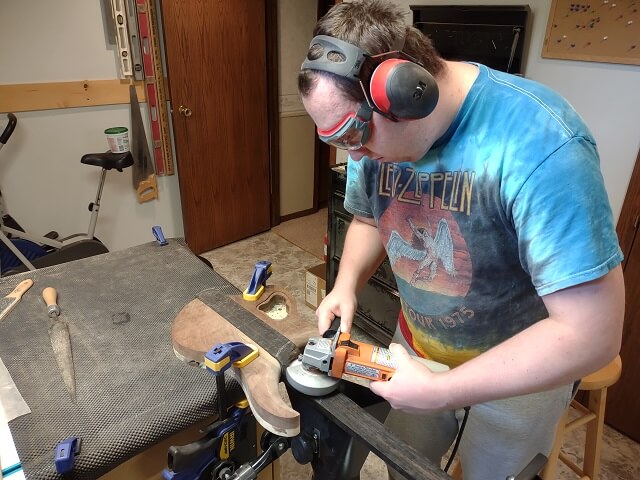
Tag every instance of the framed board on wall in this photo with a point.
(594, 31)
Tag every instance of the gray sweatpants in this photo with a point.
(500, 438)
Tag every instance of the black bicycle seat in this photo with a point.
(108, 160)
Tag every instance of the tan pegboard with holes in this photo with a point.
(594, 31)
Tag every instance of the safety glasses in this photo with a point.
(352, 132)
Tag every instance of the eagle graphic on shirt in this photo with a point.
(431, 252)
(426, 250)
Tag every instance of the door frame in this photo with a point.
(324, 155)
(273, 108)
(629, 219)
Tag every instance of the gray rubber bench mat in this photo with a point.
(132, 391)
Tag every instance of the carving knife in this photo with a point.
(60, 341)
(144, 177)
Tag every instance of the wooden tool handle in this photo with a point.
(50, 296)
(8, 303)
(147, 189)
(21, 288)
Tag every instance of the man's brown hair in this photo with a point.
(375, 26)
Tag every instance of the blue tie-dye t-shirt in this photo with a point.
(508, 206)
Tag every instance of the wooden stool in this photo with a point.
(456, 470)
(596, 386)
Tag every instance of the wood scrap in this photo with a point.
(292, 327)
(197, 328)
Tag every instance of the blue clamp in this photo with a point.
(157, 232)
(258, 281)
(223, 355)
(66, 452)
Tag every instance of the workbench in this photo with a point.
(132, 390)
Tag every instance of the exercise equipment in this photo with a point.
(8, 130)
(399, 88)
(21, 251)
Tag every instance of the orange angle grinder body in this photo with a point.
(361, 360)
(334, 356)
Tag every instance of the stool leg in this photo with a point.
(551, 468)
(456, 471)
(595, 430)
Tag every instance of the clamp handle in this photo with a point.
(157, 232)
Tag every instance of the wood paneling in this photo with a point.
(622, 413)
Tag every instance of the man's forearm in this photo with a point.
(581, 335)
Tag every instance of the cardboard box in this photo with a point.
(315, 285)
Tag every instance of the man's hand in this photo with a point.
(338, 303)
(413, 387)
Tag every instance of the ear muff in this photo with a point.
(399, 88)
(403, 89)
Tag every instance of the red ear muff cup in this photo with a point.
(404, 89)
(378, 83)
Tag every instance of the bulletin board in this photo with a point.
(594, 31)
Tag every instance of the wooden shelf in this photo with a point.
(27, 97)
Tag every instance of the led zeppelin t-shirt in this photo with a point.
(508, 206)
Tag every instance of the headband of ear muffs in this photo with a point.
(399, 88)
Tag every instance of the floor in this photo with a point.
(620, 455)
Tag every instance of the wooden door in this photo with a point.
(622, 413)
(216, 53)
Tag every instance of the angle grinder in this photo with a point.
(304, 376)
(309, 380)
(334, 356)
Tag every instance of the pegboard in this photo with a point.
(597, 31)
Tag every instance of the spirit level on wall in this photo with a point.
(154, 86)
(122, 37)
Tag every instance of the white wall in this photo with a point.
(44, 185)
(296, 19)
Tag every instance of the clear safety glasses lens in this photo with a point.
(352, 132)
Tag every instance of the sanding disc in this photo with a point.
(309, 380)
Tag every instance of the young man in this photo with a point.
(484, 190)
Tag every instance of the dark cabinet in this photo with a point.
(494, 35)
(378, 302)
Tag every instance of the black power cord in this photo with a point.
(458, 438)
